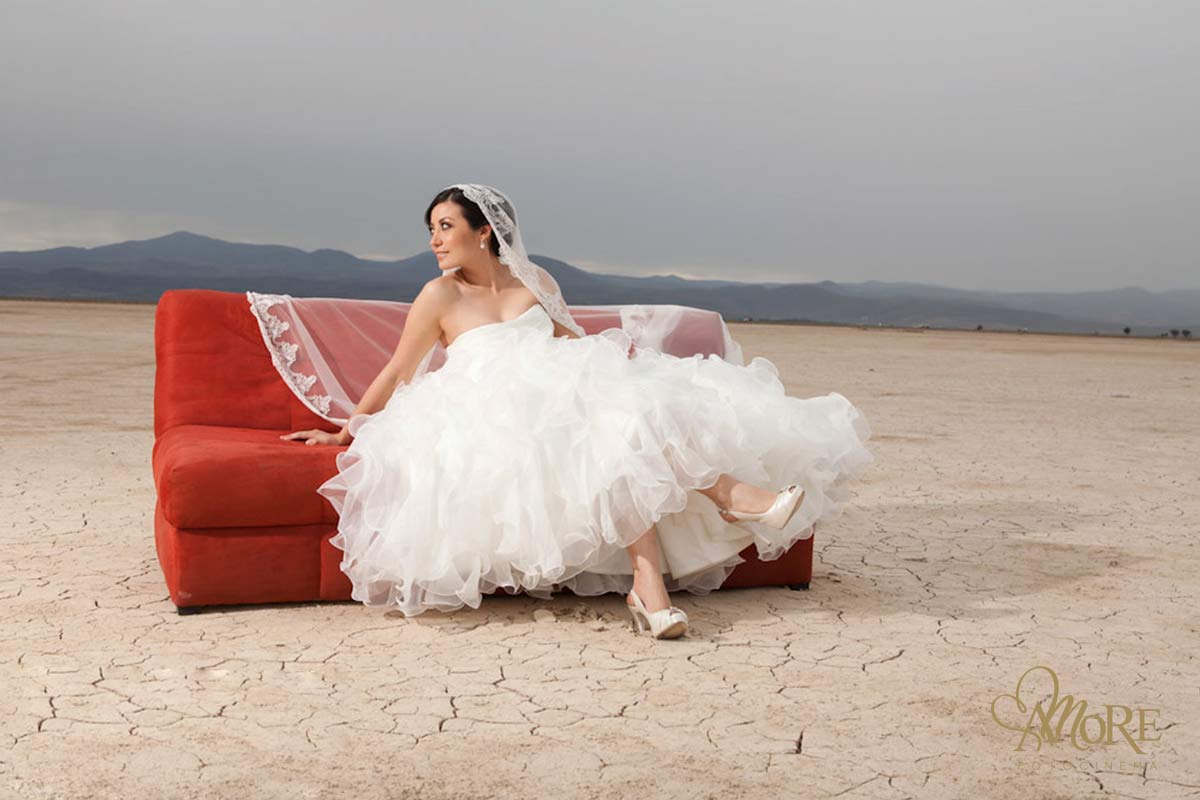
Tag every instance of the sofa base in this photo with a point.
(290, 564)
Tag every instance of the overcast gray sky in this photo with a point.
(1010, 145)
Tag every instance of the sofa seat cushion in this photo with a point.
(211, 476)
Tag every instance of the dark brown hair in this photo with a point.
(474, 215)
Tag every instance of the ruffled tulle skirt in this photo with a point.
(529, 462)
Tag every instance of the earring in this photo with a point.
(481, 245)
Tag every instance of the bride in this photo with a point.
(538, 458)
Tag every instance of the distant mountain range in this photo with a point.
(142, 270)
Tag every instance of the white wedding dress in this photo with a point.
(529, 461)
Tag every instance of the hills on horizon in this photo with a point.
(140, 270)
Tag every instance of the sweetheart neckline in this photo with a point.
(491, 324)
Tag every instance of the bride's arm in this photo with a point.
(562, 330)
(422, 328)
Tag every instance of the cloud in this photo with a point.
(40, 226)
(969, 144)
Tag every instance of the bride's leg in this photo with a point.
(647, 572)
(729, 492)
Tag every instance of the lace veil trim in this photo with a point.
(283, 352)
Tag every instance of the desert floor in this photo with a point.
(1034, 502)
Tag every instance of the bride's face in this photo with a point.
(451, 237)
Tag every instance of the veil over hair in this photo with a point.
(501, 215)
(328, 350)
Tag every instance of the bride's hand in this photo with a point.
(311, 437)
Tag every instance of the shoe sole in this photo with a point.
(672, 631)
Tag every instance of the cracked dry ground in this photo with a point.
(1033, 503)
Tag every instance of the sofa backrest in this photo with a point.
(213, 367)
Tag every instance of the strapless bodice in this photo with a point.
(529, 318)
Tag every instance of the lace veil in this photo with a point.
(329, 350)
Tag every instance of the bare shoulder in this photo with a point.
(442, 287)
(437, 296)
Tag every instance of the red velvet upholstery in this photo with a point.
(259, 479)
(238, 519)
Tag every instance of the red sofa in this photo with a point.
(238, 519)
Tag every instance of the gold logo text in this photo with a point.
(1055, 717)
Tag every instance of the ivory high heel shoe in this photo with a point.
(666, 623)
(780, 512)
